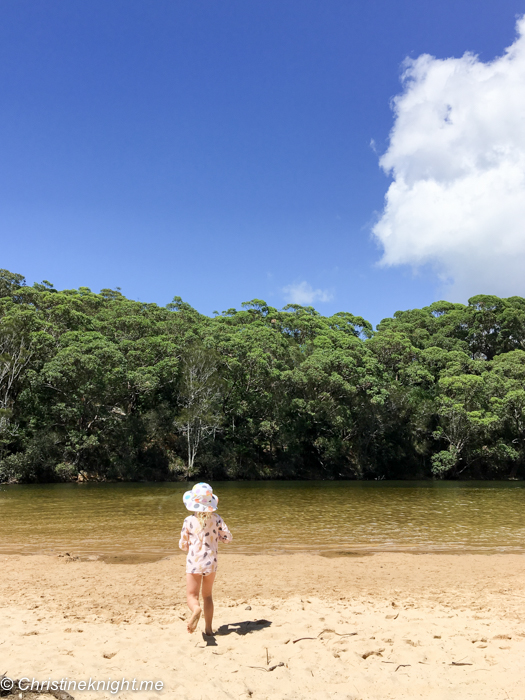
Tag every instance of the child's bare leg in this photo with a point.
(207, 585)
(193, 585)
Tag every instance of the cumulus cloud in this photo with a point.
(457, 158)
(304, 294)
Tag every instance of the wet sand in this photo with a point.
(289, 626)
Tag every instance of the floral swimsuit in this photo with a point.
(202, 545)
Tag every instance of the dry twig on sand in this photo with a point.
(272, 668)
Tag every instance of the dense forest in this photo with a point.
(100, 386)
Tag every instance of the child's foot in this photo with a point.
(194, 620)
(208, 633)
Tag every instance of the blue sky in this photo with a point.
(221, 151)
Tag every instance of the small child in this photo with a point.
(200, 537)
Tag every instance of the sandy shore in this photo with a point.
(289, 627)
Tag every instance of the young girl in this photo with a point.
(200, 537)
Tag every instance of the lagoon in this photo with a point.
(134, 521)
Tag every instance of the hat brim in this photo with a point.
(195, 507)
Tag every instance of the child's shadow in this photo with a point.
(240, 628)
(243, 628)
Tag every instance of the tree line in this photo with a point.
(101, 385)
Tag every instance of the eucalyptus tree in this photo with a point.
(200, 416)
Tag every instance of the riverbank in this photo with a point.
(297, 626)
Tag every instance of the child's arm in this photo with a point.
(223, 533)
(184, 542)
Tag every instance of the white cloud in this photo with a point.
(457, 158)
(304, 294)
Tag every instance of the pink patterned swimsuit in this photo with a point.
(202, 545)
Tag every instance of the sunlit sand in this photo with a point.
(299, 626)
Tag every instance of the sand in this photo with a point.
(289, 627)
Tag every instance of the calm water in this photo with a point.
(341, 517)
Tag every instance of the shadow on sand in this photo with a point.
(243, 628)
(240, 628)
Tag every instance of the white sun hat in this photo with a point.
(201, 499)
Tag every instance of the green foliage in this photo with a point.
(444, 461)
(102, 385)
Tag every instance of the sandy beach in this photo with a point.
(290, 627)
